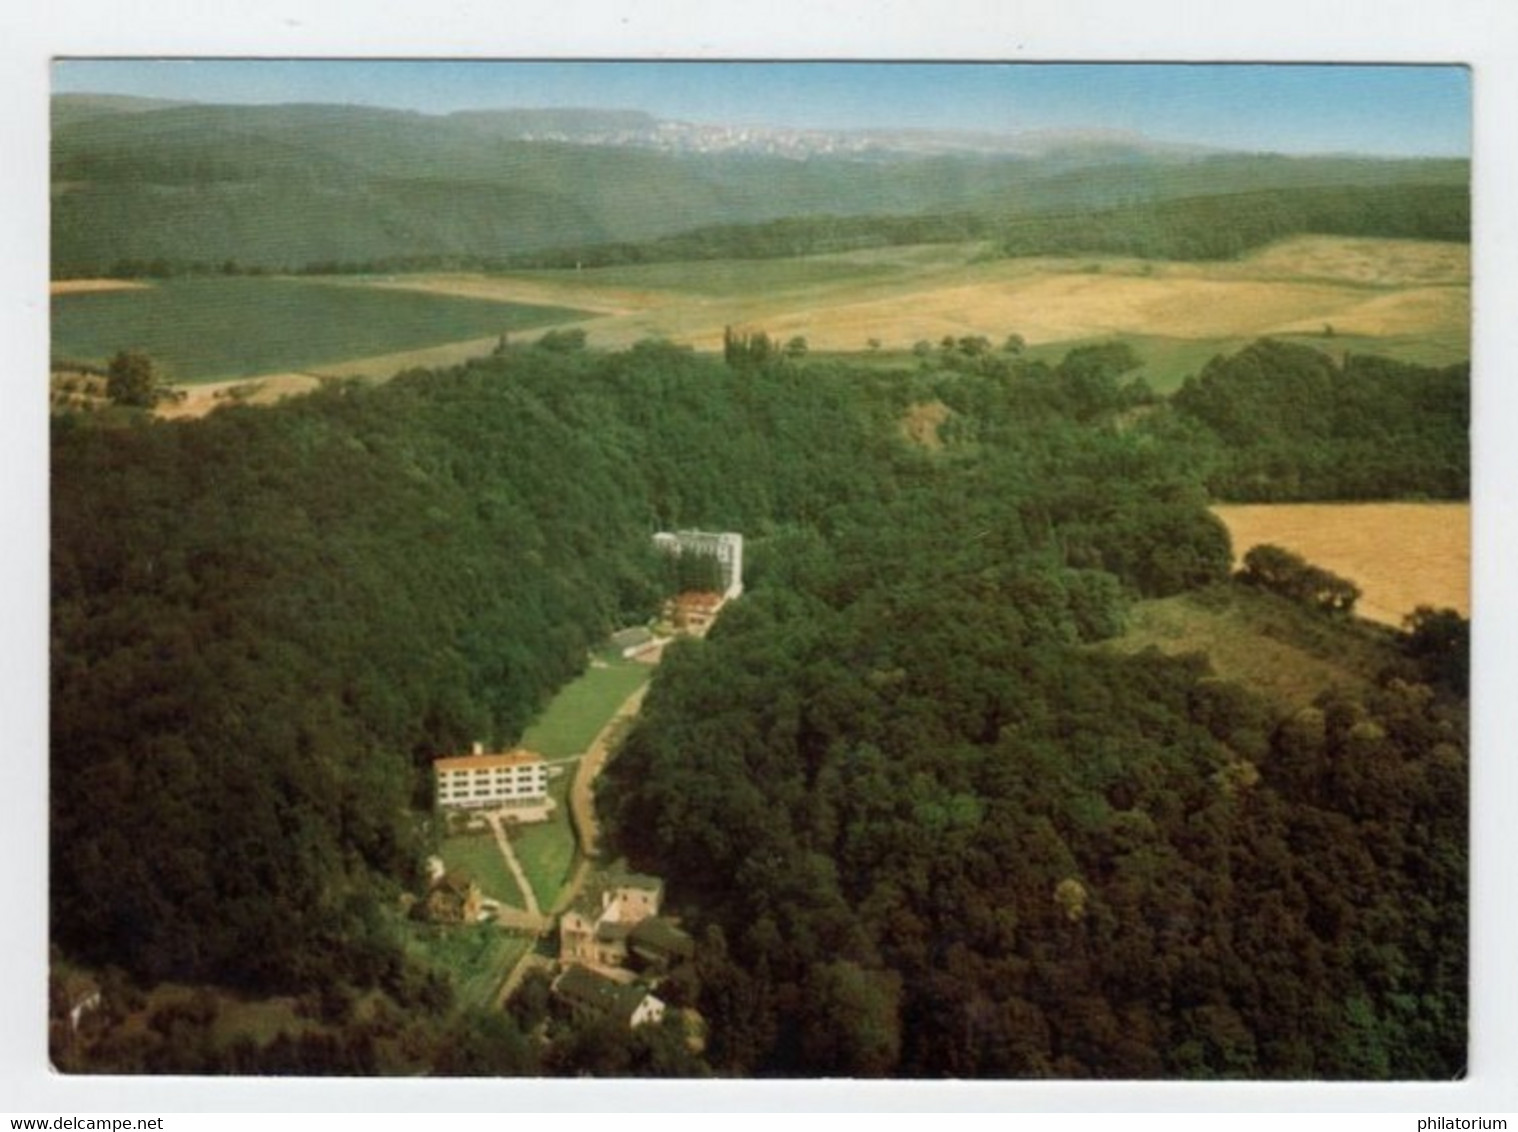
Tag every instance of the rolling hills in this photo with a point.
(150, 188)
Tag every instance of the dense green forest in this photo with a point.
(1295, 424)
(1216, 226)
(152, 188)
(920, 823)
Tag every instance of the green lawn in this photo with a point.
(546, 850)
(477, 957)
(566, 728)
(479, 856)
(222, 328)
(582, 707)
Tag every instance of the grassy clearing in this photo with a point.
(1402, 555)
(477, 957)
(546, 850)
(582, 707)
(1264, 642)
(480, 857)
(567, 727)
(208, 329)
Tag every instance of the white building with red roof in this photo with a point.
(514, 782)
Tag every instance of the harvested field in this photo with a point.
(1422, 310)
(1370, 262)
(1402, 555)
(198, 400)
(94, 286)
(1402, 291)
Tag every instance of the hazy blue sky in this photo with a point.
(1392, 110)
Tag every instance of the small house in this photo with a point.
(590, 996)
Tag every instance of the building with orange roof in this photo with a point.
(514, 782)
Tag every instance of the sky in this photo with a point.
(1387, 110)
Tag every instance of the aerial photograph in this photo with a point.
(781, 570)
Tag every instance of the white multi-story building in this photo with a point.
(726, 548)
(517, 779)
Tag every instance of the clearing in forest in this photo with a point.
(1286, 653)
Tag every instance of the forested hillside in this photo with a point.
(1295, 424)
(149, 188)
(917, 822)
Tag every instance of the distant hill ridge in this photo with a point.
(164, 184)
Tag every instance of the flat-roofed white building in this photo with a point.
(726, 548)
(514, 781)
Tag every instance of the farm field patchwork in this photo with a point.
(1401, 555)
(1408, 299)
(205, 329)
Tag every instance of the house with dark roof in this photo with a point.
(590, 996)
(634, 641)
(657, 944)
(453, 899)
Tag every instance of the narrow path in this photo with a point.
(514, 865)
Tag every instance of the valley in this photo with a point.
(1006, 758)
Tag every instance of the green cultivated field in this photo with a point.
(218, 329)
(741, 278)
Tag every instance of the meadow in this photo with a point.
(579, 711)
(219, 328)
(1268, 644)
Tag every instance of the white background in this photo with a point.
(1477, 32)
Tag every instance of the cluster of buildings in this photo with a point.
(614, 946)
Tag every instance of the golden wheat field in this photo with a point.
(1402, 555)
